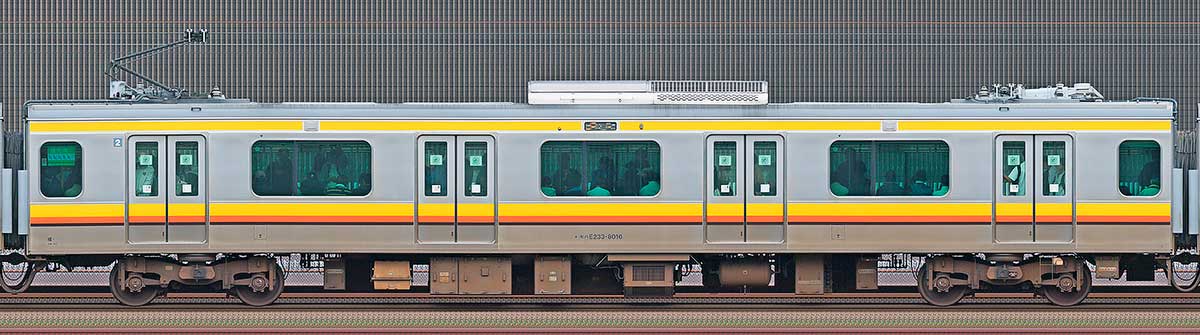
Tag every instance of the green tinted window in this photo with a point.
(435, 168)
(475, 169)
(1140, 166)
(725, 169)
(146, 169)
(311, 168)
(61, 169)
(186, 165)
(1014, 168)
(889, 168)
(600, 168)
(1054, 168)
(764, 168)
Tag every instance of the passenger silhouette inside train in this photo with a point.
(853, 174)
(652, 185)
(919, 185)
(311, 185)
(1054, 181)
(363, 186)
(837, 185)
(891, 185)
(435, 178)
(147, 181)
(548, 187)
(600, 187)
(1149, 178)
(573, 183)
(281, 179)
(1014, 179)
(944, 187)
(64, 181)
(186, 184)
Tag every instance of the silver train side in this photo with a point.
(802, 238)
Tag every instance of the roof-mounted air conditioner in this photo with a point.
(653, 92)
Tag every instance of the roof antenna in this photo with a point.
(118, 90)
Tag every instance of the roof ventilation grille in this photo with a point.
(655, 92)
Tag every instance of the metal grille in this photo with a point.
(486, 50)
(648, 273)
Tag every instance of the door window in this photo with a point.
(435, 168)
(146, 170)
(1054, 168)
(475, 169)
(764, 168)
(725, 167)
(1014, 171)
(186, 169)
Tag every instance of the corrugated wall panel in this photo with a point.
(485, 50)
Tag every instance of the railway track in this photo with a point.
(764, 301)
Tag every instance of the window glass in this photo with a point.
(475, 169)
(764, 168)
(317, 168)
(61, 169)
(186, 173)
(146, 171)
(1054, 168)
(889, 168)
(600, 168)
(1140, 168)
(1014, 170)
(725, 168)
(435, 169)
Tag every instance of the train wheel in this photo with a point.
(265, 294)
(140, 295)
(1055, 294)
(948, 296)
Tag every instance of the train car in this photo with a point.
(606, 186)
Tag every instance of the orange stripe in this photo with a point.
(1124, 218)
(1055, 218)
(77, 220)
(476, 219)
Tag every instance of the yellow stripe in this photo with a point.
(763, 125)
(311, 209)
(476, 210)
(435, 210)
(496, 125)
(186, 209)
(603, 209)
(891, 209)
(725, 210)
(1044, 209)
(764, 209)
(147, 210)
(134, 126)
(1061, 125)
(1020, 209)
(1123, 209)
(75, 210)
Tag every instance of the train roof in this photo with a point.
(228, 109)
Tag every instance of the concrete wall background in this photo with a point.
(485, 50)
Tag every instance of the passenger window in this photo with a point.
(186, 175)
(146, 172)
(600, 168)
(1014, 168)
(435, 169)
(764, 168)
(319, 168)
(1140, 165)
(889, 168)
(1054, 168)
(61, 169)
(475, 169)
(725, 168)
